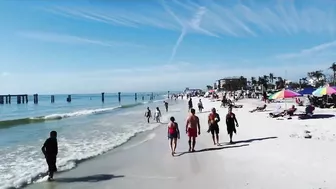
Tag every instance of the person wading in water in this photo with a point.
(50, 151)
(148, 114)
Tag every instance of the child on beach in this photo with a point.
(173, 134)
(50, 150)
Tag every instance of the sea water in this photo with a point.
(86, 128)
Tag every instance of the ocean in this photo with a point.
(86, 128)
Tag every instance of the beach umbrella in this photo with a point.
(285, 93)
(326, 90)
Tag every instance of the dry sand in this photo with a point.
(268, 153)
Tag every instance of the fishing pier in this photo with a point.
(23, 98)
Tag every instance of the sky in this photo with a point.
(93, 46)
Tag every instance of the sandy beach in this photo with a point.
(268, 153)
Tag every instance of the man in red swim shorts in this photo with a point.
(192, 129)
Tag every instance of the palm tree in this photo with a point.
(333, 68)
(280, 83)
(253, 81)
(318, 77)
(209, 87)
(271, 77)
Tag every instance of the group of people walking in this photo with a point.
(193, 128)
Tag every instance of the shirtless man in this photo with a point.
(192, 129)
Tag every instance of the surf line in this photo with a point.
(148, 137)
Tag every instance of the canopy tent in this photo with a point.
(307, 91)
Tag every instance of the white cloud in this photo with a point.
(71, 39)
(215, 18)
(310, 51)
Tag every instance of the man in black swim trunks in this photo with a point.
(213, 120)
(230, 124)
(50, 151)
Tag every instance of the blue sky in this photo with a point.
(98, 45)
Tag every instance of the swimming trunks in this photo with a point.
(192, 132)
(173, 135)
(214, 129)
(231, 129)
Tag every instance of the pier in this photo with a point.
(20, 99)
(23, 98)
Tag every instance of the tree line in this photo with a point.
(270, 81)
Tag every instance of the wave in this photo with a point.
(75, 154)
(52, 117)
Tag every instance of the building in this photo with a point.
(232, 83)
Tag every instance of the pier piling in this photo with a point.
(119, 99)
(26, 96)
(69, 98)
(103, 97)
(1, 99)
(35, 98)
(9, 99)
(136, 97)
(52, 99)
(143, 98)
(18, 99)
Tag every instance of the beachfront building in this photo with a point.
(232, 83)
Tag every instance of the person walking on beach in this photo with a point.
(166, 105)
(200, 105)
(213, 120)
(190, 104)
(230, 124)
(173, 134)
(157, 115)
(50, 151)
(148, 114)
(192, 129)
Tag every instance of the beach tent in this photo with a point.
(307, 91)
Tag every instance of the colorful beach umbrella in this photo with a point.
(285, 93)
(326, 90)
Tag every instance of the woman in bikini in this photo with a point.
(173, 134)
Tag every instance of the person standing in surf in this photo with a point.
(157, 115)
(230, 124)
(50, 151)
(192, 129)
(166, 105)
(148, 114)
(213, 120)
(173, 134)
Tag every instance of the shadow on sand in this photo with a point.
(211, 149)
(252, 140)
(92, 178)
(317, 116)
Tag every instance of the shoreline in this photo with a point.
(265, 155)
